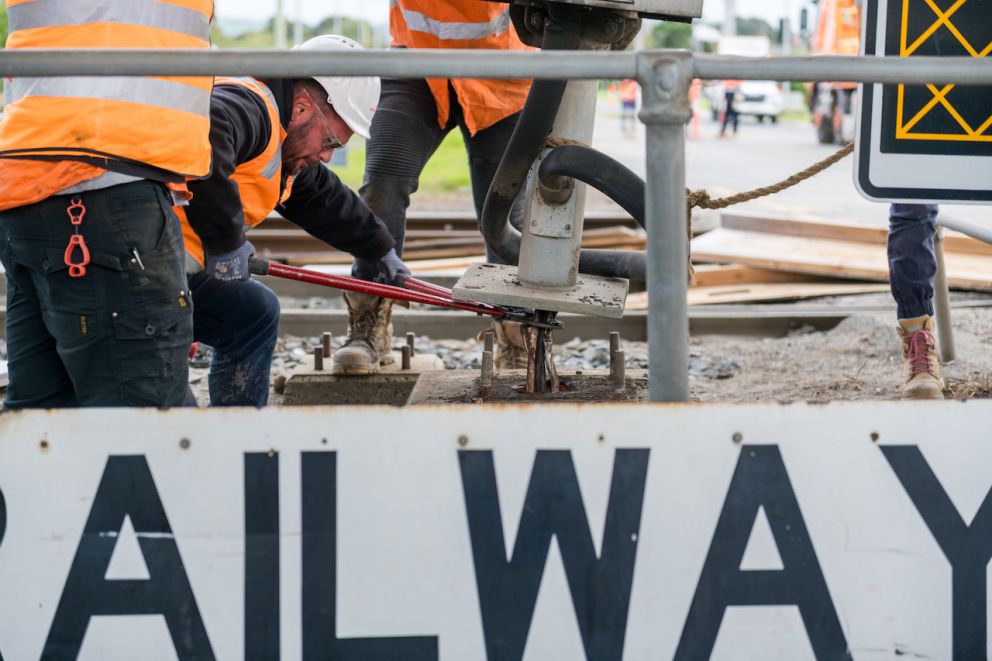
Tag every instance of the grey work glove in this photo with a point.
(230, 266)
(388, 270)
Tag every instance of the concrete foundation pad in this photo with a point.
(462, 387)
(391, 386)
(498, 284)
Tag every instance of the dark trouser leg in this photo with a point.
(912, 265)
(403, 136)
(485, 150)
(240, 321)
(120, 332)
(37, 376)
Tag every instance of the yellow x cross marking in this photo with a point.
(903, 129)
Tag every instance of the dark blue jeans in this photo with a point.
(240, 321)
(912, 264)
(117, 336)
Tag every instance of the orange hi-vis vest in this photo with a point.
(462, 24)
(258, 180)
(163, 122)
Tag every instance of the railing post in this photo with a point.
(942, 300)
(665, 77)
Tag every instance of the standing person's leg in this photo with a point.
(123, 329)
(727, 110)
(485, 151)
(240, 322)
(403, 136)
(912, 268)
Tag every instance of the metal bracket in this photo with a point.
(665, 77)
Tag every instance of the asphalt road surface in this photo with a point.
(760, 155)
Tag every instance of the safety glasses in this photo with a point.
(331, 141)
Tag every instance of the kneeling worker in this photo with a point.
(270, 140)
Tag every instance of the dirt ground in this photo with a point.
(858, 359)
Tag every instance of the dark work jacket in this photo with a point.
(319, 202)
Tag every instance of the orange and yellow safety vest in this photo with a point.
(157, 121)
(258, 179)
(462, 24)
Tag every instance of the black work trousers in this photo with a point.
(404, 135)
(118, 335)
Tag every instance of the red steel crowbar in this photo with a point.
(415, 291)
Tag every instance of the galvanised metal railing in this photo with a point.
(664, 76)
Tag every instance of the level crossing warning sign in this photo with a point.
(928, 142)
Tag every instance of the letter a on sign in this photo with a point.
(127, 490)
(761, 481)
(933, 142)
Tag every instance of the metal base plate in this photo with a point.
(498, 284)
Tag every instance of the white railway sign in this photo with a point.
(840, 531)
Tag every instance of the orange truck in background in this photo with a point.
(834, 105)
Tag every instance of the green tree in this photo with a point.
(360, 31)
(670, 34)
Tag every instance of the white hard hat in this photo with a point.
(354, 99)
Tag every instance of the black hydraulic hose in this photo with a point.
(561, 32)
(595, 168)
(630, 264)
(620, 184)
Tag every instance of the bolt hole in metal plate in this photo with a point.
(498, 284)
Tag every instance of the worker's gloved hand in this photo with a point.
(230, 266)
(388, 270)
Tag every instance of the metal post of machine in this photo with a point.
(665, 77)
(552, 232)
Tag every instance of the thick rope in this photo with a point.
(701, 198)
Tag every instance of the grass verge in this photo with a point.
(446, 172)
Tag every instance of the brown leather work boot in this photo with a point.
(511, 353)
(370, 335)
(919, 352)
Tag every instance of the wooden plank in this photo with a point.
(841, 259)
(812, 227)
(760, 292)
(710, 275)
(316, 252)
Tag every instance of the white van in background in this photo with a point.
(756, 98)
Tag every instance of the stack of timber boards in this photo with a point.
(296, 247)
(747, 284)
(839, 250)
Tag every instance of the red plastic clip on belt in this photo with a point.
(76, 211)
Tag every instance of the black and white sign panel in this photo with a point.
(857, 531)
(925, 142)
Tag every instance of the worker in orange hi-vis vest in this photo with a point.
(628, 105)
(412, 119)
(98, 312)
(271, 139)
(695, 89)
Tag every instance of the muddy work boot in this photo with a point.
(511, 351)
(370, 335)
(919, 352)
